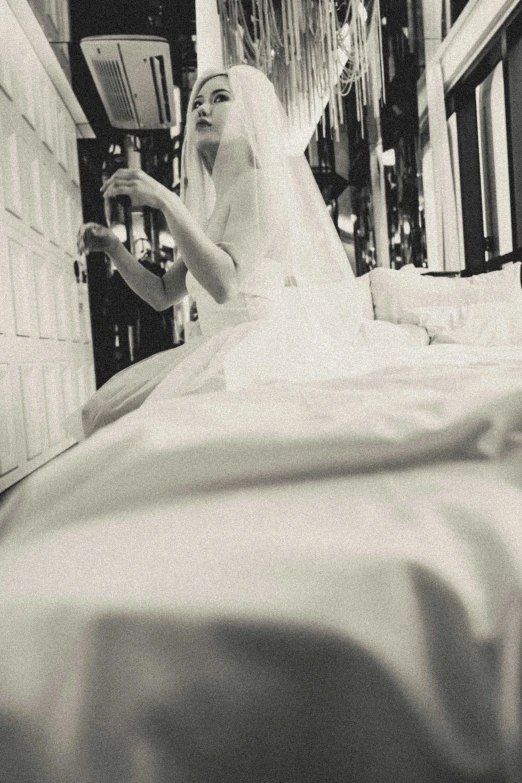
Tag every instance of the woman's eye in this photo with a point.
(221, 97)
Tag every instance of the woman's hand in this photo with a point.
(95, 238)
(143, 190)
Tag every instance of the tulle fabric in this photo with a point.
(279, 222)
(298, 306)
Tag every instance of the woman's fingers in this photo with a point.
(135, 183)
(80, 242)
(142, 189)
(82, 236)
(119, 177)
(122, 183)
(119, 189)
(93, 237)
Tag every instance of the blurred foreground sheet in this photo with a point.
(320, 582)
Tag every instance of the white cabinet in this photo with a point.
(46, 361)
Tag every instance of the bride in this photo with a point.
(256, 248)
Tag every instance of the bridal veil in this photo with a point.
(279, 232)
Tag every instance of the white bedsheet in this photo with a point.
(330, 571)
(439, 405)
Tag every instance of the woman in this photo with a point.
(256, 248)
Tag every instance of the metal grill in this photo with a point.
(113, 84)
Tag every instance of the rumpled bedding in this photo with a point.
(320, 581)
(438, 403)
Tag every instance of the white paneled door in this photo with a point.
(46, 362)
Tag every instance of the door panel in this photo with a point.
(46, 361)
(9, 446)
(33, 399)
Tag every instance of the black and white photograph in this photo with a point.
(261, 391)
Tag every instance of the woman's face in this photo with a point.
(210, 110)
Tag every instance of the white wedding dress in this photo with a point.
(298, 312)
(258, 336)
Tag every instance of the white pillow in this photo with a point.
(396, 294)
(365, 291)
(383, 332)
(480, 323)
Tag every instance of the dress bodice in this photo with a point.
(212, 317)
(260, 280)
(259, 295)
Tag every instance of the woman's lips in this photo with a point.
(203, 124)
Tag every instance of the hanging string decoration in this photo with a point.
(312, 51)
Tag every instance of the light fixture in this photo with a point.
(166, 240)
(345, 223)
(133, 75)
(388, 157)
(120, 231)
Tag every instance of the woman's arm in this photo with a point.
(159, 292)
(211, 266)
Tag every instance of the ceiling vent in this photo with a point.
(133, 76)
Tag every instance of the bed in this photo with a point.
(321, 583)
